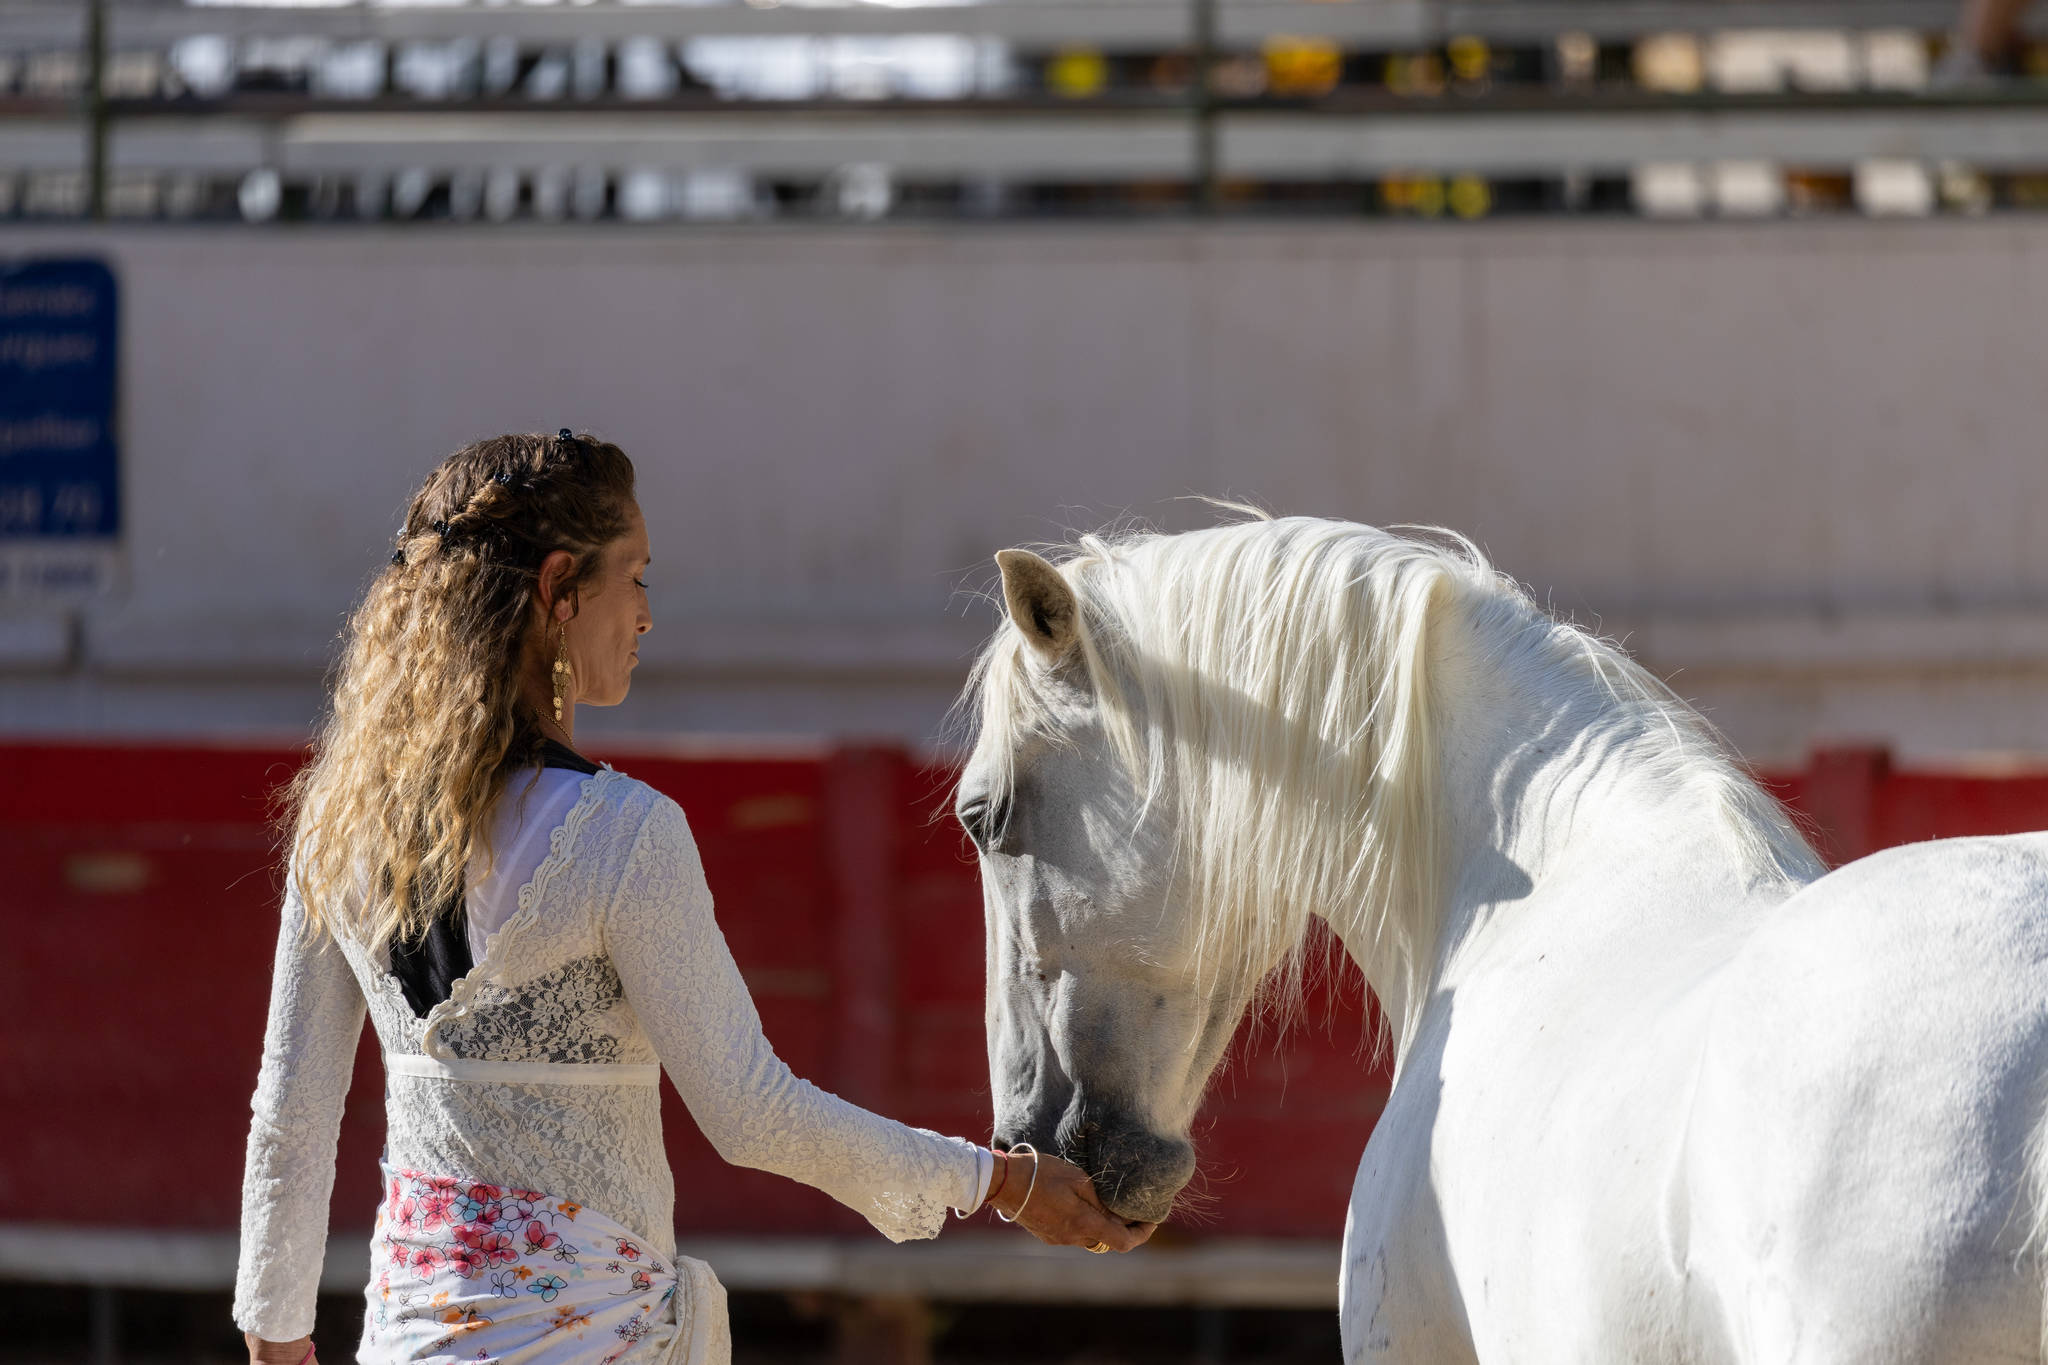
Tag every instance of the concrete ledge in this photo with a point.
(939, 648)
(960, 1267)
(136, 643)
(1855, 642)
(34, 643)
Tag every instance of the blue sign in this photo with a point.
(60, 484)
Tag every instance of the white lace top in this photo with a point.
(611, 959)
(531, 810)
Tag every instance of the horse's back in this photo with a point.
(1870, 1090)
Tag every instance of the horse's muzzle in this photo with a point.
(1137, 1173)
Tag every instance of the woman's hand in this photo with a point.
(263, 1352)
(1061, 1208)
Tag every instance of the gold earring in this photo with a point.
(563, 675)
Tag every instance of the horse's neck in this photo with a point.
(1544, 799)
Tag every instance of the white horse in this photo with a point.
(1663, 1091)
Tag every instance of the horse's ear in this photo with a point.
(1039, 601)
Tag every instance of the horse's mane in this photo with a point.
(1269, 678)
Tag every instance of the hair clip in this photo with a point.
(440, 528)
(565, 434)
(503, 476)
(398, 556)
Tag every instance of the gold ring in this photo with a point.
(1098, 1247)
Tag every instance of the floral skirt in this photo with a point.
(470, 1272)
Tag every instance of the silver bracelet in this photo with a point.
(1016, 1147)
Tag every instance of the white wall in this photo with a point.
(1799, 460)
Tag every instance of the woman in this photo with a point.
(532, 937)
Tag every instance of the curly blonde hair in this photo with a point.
(424, 727)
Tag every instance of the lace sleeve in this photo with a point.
(687, 993)
(309, 1050)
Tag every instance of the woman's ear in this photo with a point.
(556, 605)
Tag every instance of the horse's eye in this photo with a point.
(974, 819)
(983, 821)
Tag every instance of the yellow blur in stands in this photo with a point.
(1429, 196)
(1302, 66)
(1077, 73)
(1469, 197)
(1471, 62)
(1421, 195)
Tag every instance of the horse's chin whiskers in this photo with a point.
(1193, 1207)
(1197, 1201)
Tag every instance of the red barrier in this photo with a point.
(1854, 802)
(140, 912)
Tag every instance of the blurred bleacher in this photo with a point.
(787, 109)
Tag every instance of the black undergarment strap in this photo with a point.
(557, 755)
(428, 970)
